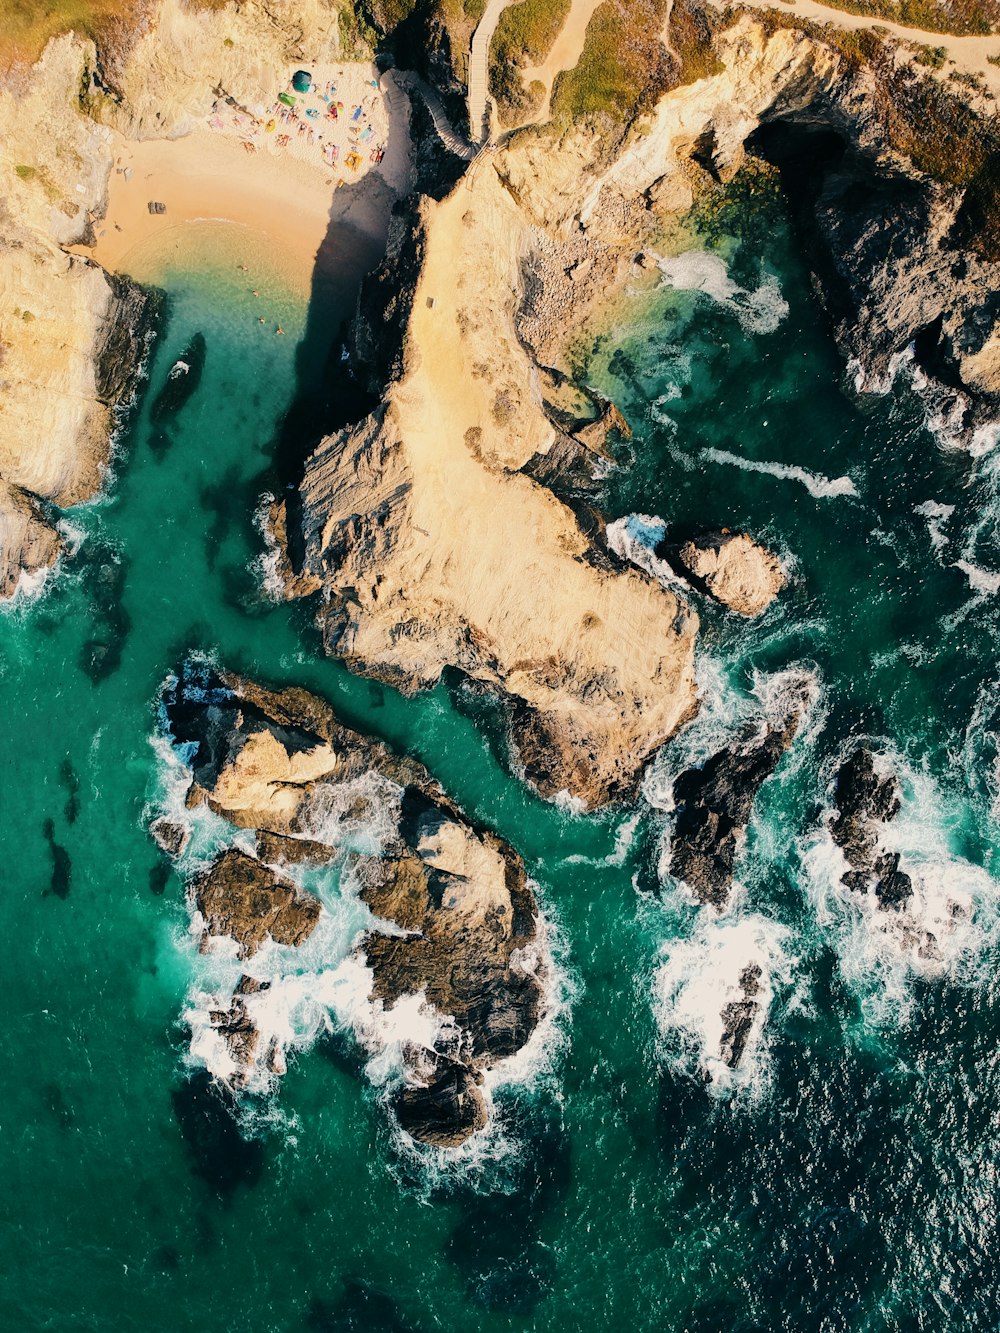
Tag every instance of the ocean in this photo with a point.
(842, 1177)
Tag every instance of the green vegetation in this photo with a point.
(25, 172)
(624, 67)
(961, 17)
(524, 37)
(749, 205)
(934, 56)
(691, 40)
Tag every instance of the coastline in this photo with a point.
(205, 177)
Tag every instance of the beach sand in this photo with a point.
(291, 199)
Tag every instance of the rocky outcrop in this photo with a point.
(455, 922)
(432, 549)
(714, 802)
(29, 545)
(71, 337)
(731, 568)
(739, 1016)
(866, 800)
(248, 901)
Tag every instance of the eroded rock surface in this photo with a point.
(456, 925)
(248, 901)
(714, 803)
(733, 569)
(866, 801)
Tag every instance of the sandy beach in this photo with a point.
(290, 197)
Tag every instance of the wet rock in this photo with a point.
(456, 918)
(731, 568)
(714, 804)
(170, 836)
(444, 1112)
(739, 1015)
(866, 800)
(28, 541)
(248, 901)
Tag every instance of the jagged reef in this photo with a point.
(455, 925)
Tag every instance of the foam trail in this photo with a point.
(760, 311)
(936, 515)
(818, 486)
(983, 581)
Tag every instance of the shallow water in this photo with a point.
(845, 1179)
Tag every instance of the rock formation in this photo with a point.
(248, 901)
(866, 801)
(739, 1016)
(731, 568)
(714, 802)
(455, 918)
(28, 543)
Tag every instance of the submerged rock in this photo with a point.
(180, 386)
(456, 927)
(866, 801)
(714, 803)
(732, 568)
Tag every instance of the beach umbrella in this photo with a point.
(301, 80)
(287, 98)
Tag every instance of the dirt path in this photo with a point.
(969, 54)
(565, 53)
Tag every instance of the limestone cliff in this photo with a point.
(71, 338)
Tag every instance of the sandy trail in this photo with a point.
(970, 54)
(565, 53)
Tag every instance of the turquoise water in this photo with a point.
(845, 1179)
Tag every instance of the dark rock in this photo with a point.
(170, 836)
(866, 801)
(240, 897)
(120, 349)
(738, 1017)
(444, 1112)
(714, 804)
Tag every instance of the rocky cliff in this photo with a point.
(424, 528)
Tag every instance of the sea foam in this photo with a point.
(759, 311)
(818, 486)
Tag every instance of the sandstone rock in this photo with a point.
(248, 901)
(733, 569)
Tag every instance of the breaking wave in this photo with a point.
(759, 311)
(942, 932)
(712, 995)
